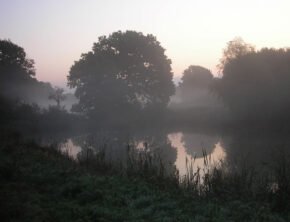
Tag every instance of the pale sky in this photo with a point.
(55, 32)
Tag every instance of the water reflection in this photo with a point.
(254, 150)
(195, 143)
(237, 149)
(213, 149)
(70, 148)
(173, 148)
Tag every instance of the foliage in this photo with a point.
(17, 75)
(30, 118)
(124, 74)
(15, 67)
(13, 61)
(58, 96)
(194, 89)
(195, 102)
(235, 48)
(41, 184)
(255, 85)
(196, 77)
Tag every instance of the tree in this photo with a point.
(58, 96)
(124, 74)
(196, 77)
(255, 85)
(194, 90)
(235, 48)
(17, 76)
(15, 68)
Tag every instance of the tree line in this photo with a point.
(127, 78)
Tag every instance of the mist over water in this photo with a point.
(173, 147)
(124, 95)
(177, 146)
(142, 125)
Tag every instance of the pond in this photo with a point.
(177, 148)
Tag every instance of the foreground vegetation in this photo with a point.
(126, 81)
(42, 184)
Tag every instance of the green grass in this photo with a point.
(40, 184)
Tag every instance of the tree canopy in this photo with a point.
(255, 85)
(124, 73)
(14, 65)
(194, 90)
(15, 69)
(17, 76)
(196, 77)
(234, 49)
(58, 96)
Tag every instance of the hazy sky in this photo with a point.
(55, 32)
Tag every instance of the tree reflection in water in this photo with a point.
(173, 148)
(214, 150)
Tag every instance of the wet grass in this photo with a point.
(42, 184)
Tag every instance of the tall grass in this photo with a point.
(224, 181)
(213, 176)
(135, 162)
(219, 180)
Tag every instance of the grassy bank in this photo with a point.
(40, 184)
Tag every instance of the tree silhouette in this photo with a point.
(255, 85)
(235, 48)
(125, 73)
(194, 90)
(58, 96)
(196, 77)
(15, 68)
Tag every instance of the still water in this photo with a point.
(192, 149)
(175, 148)
(178, 147)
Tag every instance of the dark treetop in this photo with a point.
(125, 73)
